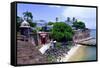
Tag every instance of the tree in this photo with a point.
(44, 28)
(79, 25)
(50, 23)
(74, 19)
(62, 32)
(32, 24)
(56, 19)
(39, 28)
(28, 17)
(19, 20)
(68, 19)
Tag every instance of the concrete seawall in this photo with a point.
(87, 41)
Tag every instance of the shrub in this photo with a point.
(62, 32)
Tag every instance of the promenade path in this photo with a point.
(87, 41)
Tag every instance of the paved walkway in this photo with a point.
(44, 48)
(87, 41)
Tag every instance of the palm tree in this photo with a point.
(56, 19)
(68, 19)
(28, 15)
(74, 19)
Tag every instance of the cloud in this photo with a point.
(87, 15)
(82, 12)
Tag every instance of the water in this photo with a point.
(86, 53)
(93, 33)
(90, 51)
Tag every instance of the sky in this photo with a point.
(50, 12)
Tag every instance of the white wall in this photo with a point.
(5, 34)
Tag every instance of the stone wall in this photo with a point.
(81, 34)
(28, 53)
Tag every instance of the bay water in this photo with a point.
(86, 53)
(90, 51)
